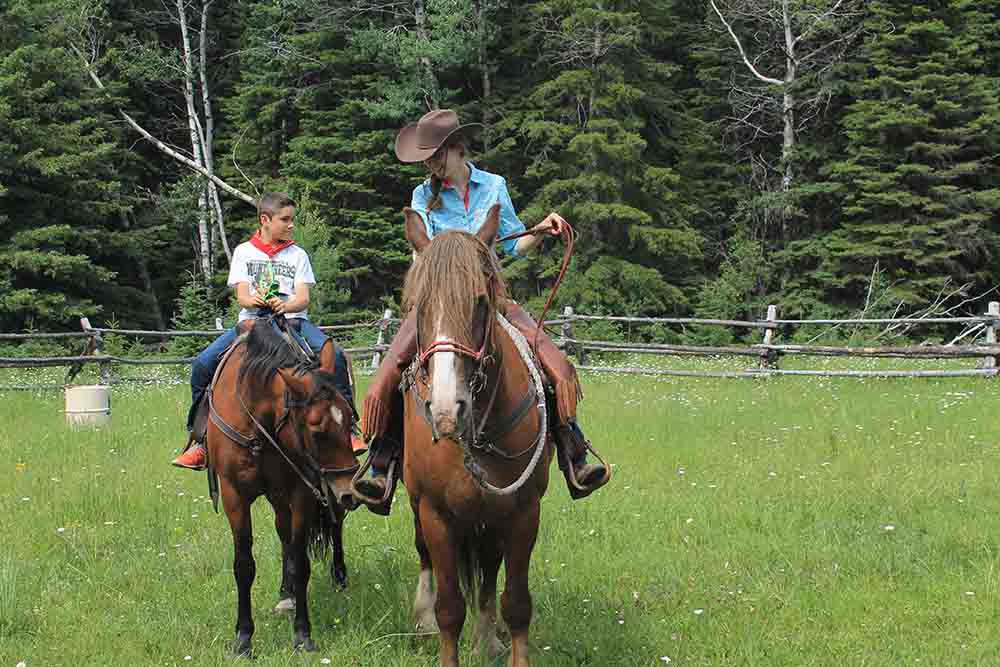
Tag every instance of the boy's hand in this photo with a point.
(259, 302)
(276, 305)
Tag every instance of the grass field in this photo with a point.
(789, 521)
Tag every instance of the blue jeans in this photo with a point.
(204, 365)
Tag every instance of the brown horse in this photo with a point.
(280, 429)
(476, 459)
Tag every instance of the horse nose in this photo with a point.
(344, 495)
(347, 500)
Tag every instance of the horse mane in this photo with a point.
(266, 352)
(449, 276)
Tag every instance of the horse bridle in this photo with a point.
(311, 463)
(481, 357)
(287, 417)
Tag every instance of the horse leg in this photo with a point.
(283, 526)
(302, 516)
(244, 568)
(485, 636)
(424, 599)
(516, 601)
(338, 569)
(449, 607)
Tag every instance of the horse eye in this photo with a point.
(479, 326)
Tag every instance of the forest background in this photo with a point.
(831, 156)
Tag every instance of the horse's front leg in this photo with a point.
(449, 607)
(303, 515)
(244, 568)
(522, 530)
(338, 569)
(283, 526)
(425, 597)
(486, 638)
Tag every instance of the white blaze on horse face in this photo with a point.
(337, 415)
(444, 381)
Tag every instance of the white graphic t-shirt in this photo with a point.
(253, 266)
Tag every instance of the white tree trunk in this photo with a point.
(205, 247)
(209, 129)
(433, 90)
(484, 69)
(162, 147)
(788, 117)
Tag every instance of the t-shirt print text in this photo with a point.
(256, 267)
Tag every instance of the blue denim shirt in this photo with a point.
(485, 189)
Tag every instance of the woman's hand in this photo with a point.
(553, 224)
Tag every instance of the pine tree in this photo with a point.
(584, 125)
(919, 180)
(61, 194)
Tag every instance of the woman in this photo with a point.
(457, 195)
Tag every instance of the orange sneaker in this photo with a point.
(359, 446)
(193, 459)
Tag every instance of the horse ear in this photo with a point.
(488, 232)
(300, 385)
(416, 230)
(328, 357)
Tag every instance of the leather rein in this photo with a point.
(487, 442)
(252, 442)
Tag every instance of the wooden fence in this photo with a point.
(767, 354)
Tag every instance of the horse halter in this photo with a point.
(443, 345)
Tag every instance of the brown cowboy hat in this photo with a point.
(418, 141)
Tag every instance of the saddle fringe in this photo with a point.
(374, 419)
(567, 394)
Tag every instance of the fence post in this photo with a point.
(768, 357)
(383, 326)
(96, 348)
(567, 326)
(991, 333)
(567, 334)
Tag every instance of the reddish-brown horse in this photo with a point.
(476, 458)
(280, 429)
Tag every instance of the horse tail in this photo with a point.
(471, 554)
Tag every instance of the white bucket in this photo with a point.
(88, 405)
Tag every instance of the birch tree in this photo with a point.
(782, 51)
(185, 68)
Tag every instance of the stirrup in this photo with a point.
(381, 506)
(578, 489)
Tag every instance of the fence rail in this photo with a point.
(768, 352)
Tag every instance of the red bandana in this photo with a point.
(269, 249)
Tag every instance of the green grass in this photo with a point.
(789, 521)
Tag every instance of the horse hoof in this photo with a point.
(285, 605)
(494, 647)
(426, 628)
(242, 648)
(304, 644)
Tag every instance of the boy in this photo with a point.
(270, 275)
